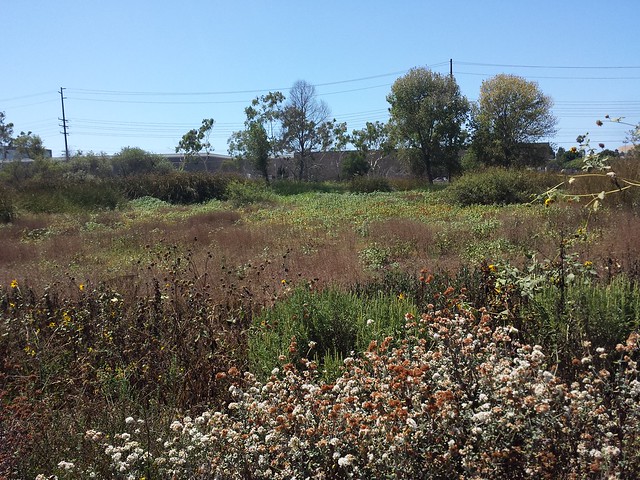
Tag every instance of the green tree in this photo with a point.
(195, 141)
(261, 138)
(305, 125)
(355, 165)
(372, 142)
(427, 115)
(133, 161)
(6, 135)
(511, 112)
(28, 145)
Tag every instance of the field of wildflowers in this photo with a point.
(457, 395)
(321, 334)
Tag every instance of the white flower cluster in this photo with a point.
(453, 395)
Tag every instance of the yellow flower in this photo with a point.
(14, 284)
(492, 268)
(548, 201)
(81, 287)
(401, 296)
(588, 264)
(283, 281)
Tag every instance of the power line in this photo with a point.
(568, 67)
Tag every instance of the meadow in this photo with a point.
(379, 329)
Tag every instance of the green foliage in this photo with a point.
(511, 113)
(604, 315)
(369, 185)
(7, 205)
(355, 164)
(134, 161)
(498, 186)
(28, 145)
(242, 193)
(294, 187)
(427, 114)
(88, 166)
(69, 195)
(194, 141)
(261, 138)
(315, 324)
(6, 135)
(178, 187)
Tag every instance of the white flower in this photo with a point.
(412, 423)
(176, 426)
(66, 465)
(129, 420)
(346, 461)
(482, 417)
(369, 321)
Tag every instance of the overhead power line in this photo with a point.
(567, 67)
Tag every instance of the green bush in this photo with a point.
(337, 322)
(369, 185)
(498, 186)
(241, 193)
(69, 195)
(293, 187)
(603, 314)
(178, 187)
(7, 205)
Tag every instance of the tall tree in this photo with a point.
(305, 125)
(511, 112)
(261, 138)
(6, 136)
(371, 143)
(427, 115)
(195, 141)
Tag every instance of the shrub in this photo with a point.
(456, 396)
(7, 205)
(241, 193)
(178, 187)
(369, 185)
(69, 195)
(498, 186)
(295, 187)
(334, 323)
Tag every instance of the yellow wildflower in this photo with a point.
(14, 283)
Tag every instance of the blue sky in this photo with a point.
(142, 73)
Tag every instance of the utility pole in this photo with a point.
(451, 67)
(64, 126)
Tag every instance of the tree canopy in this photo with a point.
(195, 141)
(427, 116)
(261, 138)
(511, 112)
(306, 127)
(6, 136)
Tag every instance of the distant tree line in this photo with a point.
(432, 129)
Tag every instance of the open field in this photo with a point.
(123, 322)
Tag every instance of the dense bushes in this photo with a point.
(68, 195)
(7, 205)
(499, 186)
(178, 187)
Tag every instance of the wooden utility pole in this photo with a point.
(451, 67)
(64, 127)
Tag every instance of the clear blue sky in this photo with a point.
(142, 73)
